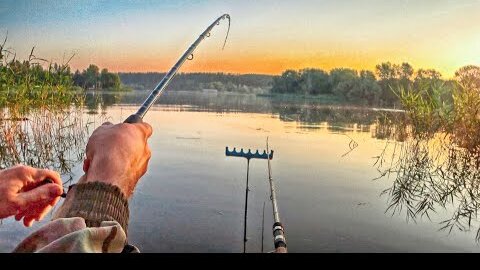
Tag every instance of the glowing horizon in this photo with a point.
(265, 38)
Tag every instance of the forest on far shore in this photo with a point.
(380, 87)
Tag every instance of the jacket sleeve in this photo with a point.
(71, 235)
(96, 202)
(93, 218)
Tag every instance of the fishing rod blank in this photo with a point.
(278, 231)
(188, 55)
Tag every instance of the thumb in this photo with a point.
(40, 195)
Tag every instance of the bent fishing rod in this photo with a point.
(158, 90)
(188, 55)
(278, 231)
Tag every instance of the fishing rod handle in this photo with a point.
(279, 238)
(134, 118)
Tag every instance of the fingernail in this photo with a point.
(56, 191)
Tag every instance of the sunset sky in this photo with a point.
(265, 37)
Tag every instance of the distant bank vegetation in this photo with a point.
(379, 88)
(389, 85)
(241, 83)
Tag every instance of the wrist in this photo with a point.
(95, 202)
(110, 172)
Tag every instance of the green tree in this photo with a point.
(428, 74)
(315, 81)
(469, 77)
(342, 80)
(406, 71)
(386, 71)
(91, 75)
(425, 79)
(109, 80)
(79, 79)
(288, 82)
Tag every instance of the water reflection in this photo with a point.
(316, 168)
(431, 177)
(308, 114)
(44, 139)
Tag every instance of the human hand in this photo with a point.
(24, 194)
(118, 154)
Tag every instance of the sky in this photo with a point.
(266, 36)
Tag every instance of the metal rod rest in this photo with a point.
(248, 155)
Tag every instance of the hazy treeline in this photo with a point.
(365, 87)
(245, 83)
(93, 78)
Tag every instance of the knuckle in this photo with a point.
(147, 126)
(17, 204)
(23, 169)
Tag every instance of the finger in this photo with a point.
(148, 152)
(47, 209)
(41, 175)
(146, 128)
(22, 170)
(86, 165)
(26, 215)
(43, 213)
(89, 150)
(28, 221)
(42, 195)
(19, 216)
(39, 211)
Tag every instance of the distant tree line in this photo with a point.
(93, 78)
(365, 87)
(245, 83)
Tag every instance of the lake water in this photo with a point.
(192, 197)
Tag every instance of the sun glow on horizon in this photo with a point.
(265, 37)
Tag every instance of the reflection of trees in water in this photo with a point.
(220, 103)
(437, 167)
(95, 101)
(339, 118)
(44, 139)
(430, 171)
(432, 175)
(389, 126)
(308, 113)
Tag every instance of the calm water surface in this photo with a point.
(192, 197)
